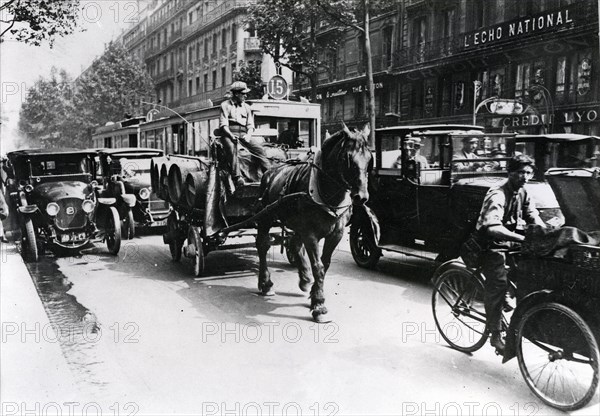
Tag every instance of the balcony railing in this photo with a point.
(203, 97)
(164, 75)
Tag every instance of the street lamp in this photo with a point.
(547, 101)
(500, 106)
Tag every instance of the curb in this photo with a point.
(34, 375)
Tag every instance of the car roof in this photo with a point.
(430, 127)
(558, 137)
(44, 152)
(131, 151)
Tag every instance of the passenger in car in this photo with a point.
(469, 146)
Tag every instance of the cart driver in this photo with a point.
(237, 123)
(505, 208)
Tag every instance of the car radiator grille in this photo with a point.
(70, 215)
(156, 204)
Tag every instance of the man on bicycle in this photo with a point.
(505, 209)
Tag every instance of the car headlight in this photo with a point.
(144, 193)
(52, 209)
(87, 206)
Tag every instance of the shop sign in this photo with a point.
(340, 92)
(518, 28)
(575, 116)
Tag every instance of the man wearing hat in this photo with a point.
(237, 123)
(469, 145)
(415, 152)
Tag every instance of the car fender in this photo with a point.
(129, 199)
(107, 201)
(363, 215)
(523, 305)
(28, 209)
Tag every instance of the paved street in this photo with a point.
(141, 336)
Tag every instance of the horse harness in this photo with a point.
(314, 192)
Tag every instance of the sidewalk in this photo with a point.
(34, 375)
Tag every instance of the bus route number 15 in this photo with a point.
(277, 87)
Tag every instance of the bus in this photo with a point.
(190, 133)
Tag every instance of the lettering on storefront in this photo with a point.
(576, 116)
(517, 28)
(340, 92)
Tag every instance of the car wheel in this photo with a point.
(364, 251)
(30, 247)
(196, 250)
(176, 244)
(113, 231)
(128, 228)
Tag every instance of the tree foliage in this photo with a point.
(250, 73)
(287, 31)
(47, 110)
(33, 21)
(301, 34)
(110, 90)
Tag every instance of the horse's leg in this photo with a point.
(329, 246)
(302, 264)
(317, 296)
(263, 243)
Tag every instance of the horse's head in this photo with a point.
(352, 160)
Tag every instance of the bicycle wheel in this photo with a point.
(558, 356)
(458, 310)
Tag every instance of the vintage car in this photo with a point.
(427, 188)
(125, 174)
(559, 150)
(55, 198)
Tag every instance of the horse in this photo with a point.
(328, 186)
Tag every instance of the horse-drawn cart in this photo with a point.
(208, 211)
(312, 197)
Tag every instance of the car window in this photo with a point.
(468, 149)
(60, 166)
(390, 151)
(133, 167)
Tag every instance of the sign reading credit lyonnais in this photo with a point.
(521, 27)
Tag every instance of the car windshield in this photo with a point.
(468, 150)
(60, 165)
(561, 154)
(129, 168)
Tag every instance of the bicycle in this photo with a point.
(550, 335)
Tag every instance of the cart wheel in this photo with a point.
(176, 244)
(558, 356)
(364, 251)
(113, 231)
(196, 250)
(128, 228)
(458, 309)
(30, 248)
(290, 253)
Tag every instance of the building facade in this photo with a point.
(193, 47)
(435, 61)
